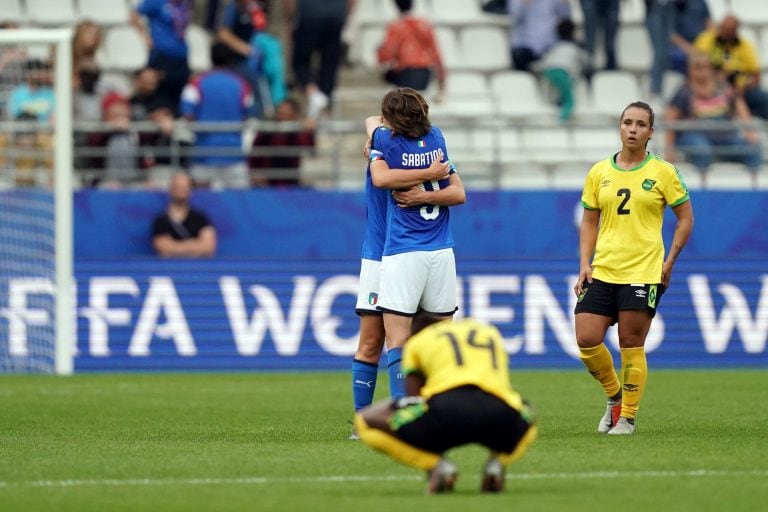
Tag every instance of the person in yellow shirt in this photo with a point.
(737, 59)
(622, 270)
(458, 392)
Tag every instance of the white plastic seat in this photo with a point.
(692, 176)
(370, 40)
(761, 179)
(729, 176)
(373, 12)
(485, 48)
(458, 12)
(524, 175)
(51, 12)
(754, 12)
(466, 95)
(11, 11)
(517, 95)
(569, 177)
(199, 43)
(633, 48)
(104, 12)
(612, 91)
(450, 49)
(124, 49)
(594, 144)
(547, 145)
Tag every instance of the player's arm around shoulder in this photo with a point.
(452, 195)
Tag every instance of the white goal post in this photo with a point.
(61, 348)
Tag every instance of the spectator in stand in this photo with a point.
(706, 97)
(145, 94)
(410, 52)
(120, 143)
(218, 95)
(182, 231)
(87, 95)
(562, 65)
(270, 49)
(280, 166)
(317, 29)
(604, 13)
(534, 28)
(736, 58)
(35, 97)
(85, 43)
(691, 19)
(167, 22)
(241, 20)
(660, 24)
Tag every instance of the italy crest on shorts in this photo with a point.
(373, 298)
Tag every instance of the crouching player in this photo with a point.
(457, 382)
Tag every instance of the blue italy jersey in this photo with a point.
(376, 200)
(416, 228)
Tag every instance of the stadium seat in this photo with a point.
(547, 144)
(762, 50)
(450, 49)
(569, 176)
(632, 12)
(694, 179)
(593, 144)
(718, 9)
(11, 11)
(761, 179)
(485, 48)
(466, 96)
(199, 43)
(460, 12)
(517, 95)
(51, 12)
(117, 81)
(612, 91)
(370, 40)
(633, 48)
(373, 12)
(729, 176)
(104, 12)
(754, 12)
(524, 175)
(124, 49)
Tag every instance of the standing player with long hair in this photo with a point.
(624, 200)
(418, 269)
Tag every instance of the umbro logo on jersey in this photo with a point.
(605, 183)
(648, 184)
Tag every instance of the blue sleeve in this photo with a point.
(377, 141)
(150, 7)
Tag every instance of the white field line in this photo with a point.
(258, 480)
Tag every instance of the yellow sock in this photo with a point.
(634, 369)
(599, 362)
(395, 448)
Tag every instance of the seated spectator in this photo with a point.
(736, 58)
(87, 95)
(562, 65)
(182, 231)
(120, 143)
(280, 164)
(218, 95)
(145, 94)
(533, 28)
(692, 17)
(165, 35)
(410, 52)
(35, 97)
(706, 97)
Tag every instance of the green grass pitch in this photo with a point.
(268, 441)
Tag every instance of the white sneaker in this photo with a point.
(442, 477)
(611, 416)
(623, 427)
(316, 102)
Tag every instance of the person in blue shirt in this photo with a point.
(371, 341)
(218, 95)
(418, 269)
(165, 32)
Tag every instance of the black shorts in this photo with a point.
(608, 299)
(461, 416)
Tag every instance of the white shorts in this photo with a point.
(222, 176)
(419, 279)
(368, 290)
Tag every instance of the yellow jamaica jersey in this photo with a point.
(630, 248)
(465, 352)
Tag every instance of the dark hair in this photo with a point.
(641, 105)
(407, 112)
(221, 55)
(404, 5)
(565, 29)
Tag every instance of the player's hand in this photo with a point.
(438, 170)
(666, 273)
(585, 275)
(367, 149)
(410, 197)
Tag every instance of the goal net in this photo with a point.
(36, 276)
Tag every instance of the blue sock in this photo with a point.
(363, 383)
(396, 379)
